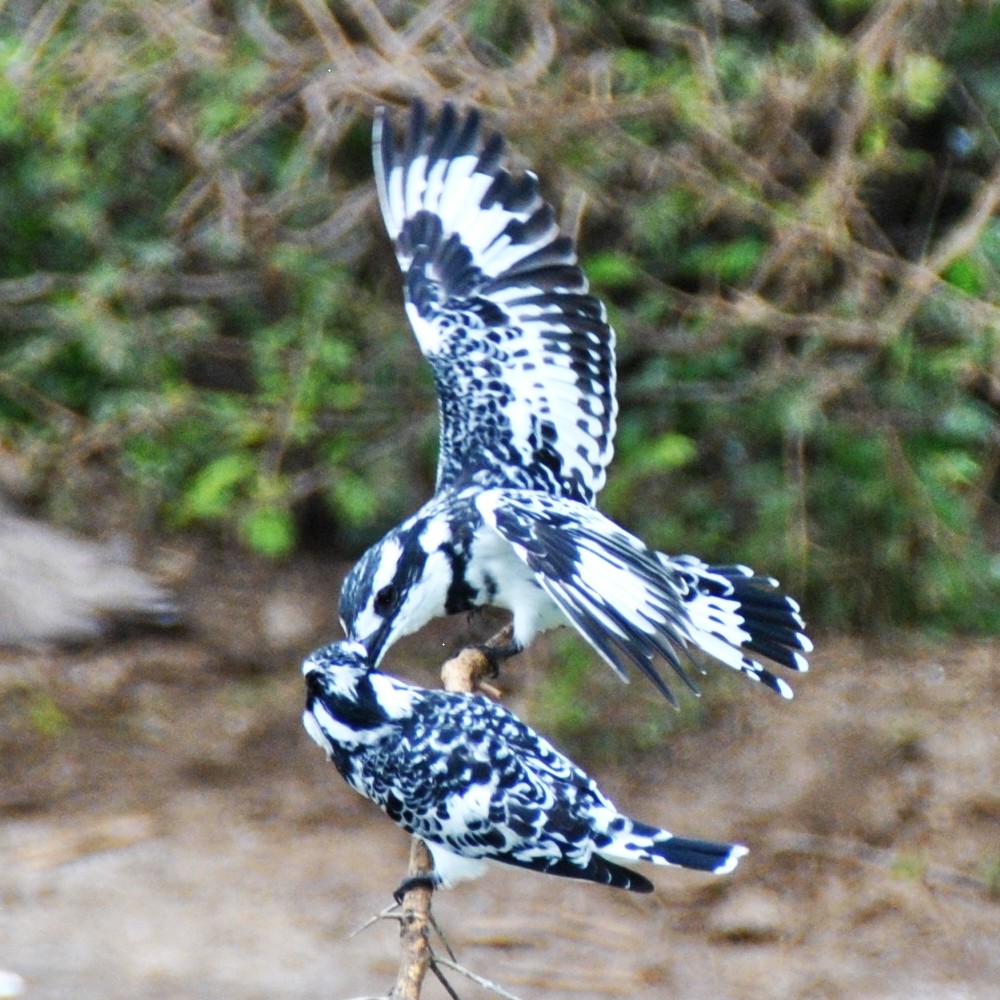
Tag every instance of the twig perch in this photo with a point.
(415, 926)
(480, 980)
(466, 671)
(461, 673)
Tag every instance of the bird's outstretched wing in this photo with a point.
(523, 357)
(634, 605)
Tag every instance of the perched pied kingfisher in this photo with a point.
(523, 363)
(477, 784)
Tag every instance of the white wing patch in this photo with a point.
(523, 357)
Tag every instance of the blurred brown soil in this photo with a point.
(167, 830)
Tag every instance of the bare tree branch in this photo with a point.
(479, 980)
(414, 933)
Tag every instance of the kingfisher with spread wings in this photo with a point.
(524, 367)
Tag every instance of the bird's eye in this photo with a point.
(385, 599)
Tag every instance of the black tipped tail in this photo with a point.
(701, 855)
(636, 841)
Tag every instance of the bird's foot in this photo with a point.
(469, 670)
(428, 882)
(494, 656)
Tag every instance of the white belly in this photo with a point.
(502, 579)
(452, 868)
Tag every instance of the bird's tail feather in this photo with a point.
(639, 842)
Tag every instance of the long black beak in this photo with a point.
(375, 644)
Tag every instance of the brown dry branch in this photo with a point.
(466, 672)
(479, 980)
(415, 927)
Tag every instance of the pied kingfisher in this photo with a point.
(523, 363)
(476, 784)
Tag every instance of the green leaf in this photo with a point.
(46, 716)
(922, 81)
(967, 274)
(269, 531)
(732, 262)
(214, 489)
(353, 498)
(612, 269)
(668, 451)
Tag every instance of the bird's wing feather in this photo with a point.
(539, 806)
(634, 605)
(522, 355)
(596, 869)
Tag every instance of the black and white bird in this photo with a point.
(523, 363)
(477, 784)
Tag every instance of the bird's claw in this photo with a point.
(428, 882)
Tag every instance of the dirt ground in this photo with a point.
(168, 831)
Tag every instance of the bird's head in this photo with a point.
(333, 717)
(349, 705)
(398, 585)
(339, 665)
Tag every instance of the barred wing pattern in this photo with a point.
(476, 783)
(523, 357)
(634, 605)
(496, 794)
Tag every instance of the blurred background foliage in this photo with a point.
(789, 207)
